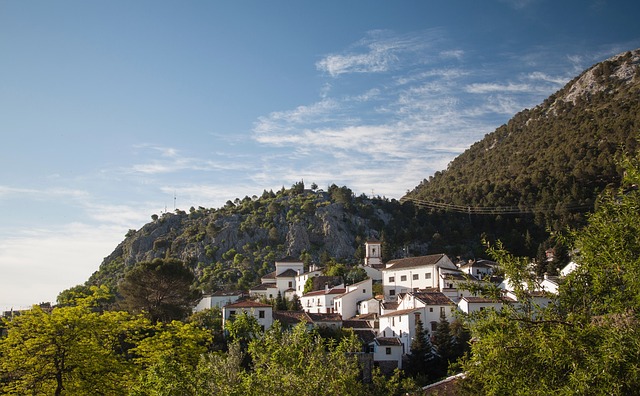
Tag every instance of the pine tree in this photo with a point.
(421, 357)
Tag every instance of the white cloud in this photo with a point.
(38, 265)
(483, 88)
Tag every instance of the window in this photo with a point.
(441, 310)
(261, 314)
(388, 350)
(392, 292)
(403, 278)
(290, 284)
(415, 276)
(261, 327)
(364, 290)
(427, 275)
(392, 279)
(430, 309)
(434, 326)
(232, 314)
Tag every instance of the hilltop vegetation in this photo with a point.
(554, 159)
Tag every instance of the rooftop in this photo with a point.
(411, 262)
(247, 304)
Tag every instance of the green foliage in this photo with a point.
(71, 350)
(586, 343)
(162, 289)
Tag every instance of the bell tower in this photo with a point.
(373, 253)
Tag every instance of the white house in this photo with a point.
(347, 304)
(479, 268)
(321, 301)
(262, 312)
(370, 306)
(218, 299)
(387, 350)
(427, 306)
(413, 273)
(471, 304)
(301, 280)
(283, 280)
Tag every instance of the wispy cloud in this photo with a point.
(380, 51)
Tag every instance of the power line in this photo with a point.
(494, 210)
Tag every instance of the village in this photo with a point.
(425, 288)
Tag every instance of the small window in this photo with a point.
(415, 277)
(442, 310)
(261, 314)
(427, 275)
(290, 284)
(403, 278)
(364, 290)
(388, 350)
(434, 326)
(392, 279)
(430, 309)
(392, 292)
(262, 328)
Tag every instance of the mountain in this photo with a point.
(550, 161)
(542, 170)
(235, 245)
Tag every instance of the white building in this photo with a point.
(373, 259)
(262, 312)
(321, 301)
(347, 304)
(387, 349)
(283, 280)
(471, 304)
(218, 299)
(413, 273)
(428, 306)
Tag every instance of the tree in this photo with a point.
(71, 350)
(422, 356)
(588, 342)
(162, 289)
(443, 343)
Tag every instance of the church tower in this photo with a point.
(373, 253)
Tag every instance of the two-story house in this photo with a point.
(414, 273)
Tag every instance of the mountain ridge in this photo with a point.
(549, 160)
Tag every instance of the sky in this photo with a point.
(111, 111)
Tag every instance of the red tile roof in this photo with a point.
(411, 262)
(248, 304)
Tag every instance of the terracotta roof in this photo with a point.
(270, 275)
(290, 273)
(388, 341)
(325, 317)
(264, 286)
(433, 298)
(390, 305)
(291, 317)
(224, 293)
(412, 262)
(400, 312)
(247, 304)
(479, 300)
(367, 336)
(369, 316)
(325, 292)
(356, 324)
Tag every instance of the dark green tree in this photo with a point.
(161, 289)
(422, 357)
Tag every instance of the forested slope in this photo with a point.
(554, 159)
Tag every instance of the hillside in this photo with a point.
(235, 245)
(552, 160)
(541, 170)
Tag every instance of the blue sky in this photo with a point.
(108, 109)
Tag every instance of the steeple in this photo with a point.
(373, 253)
